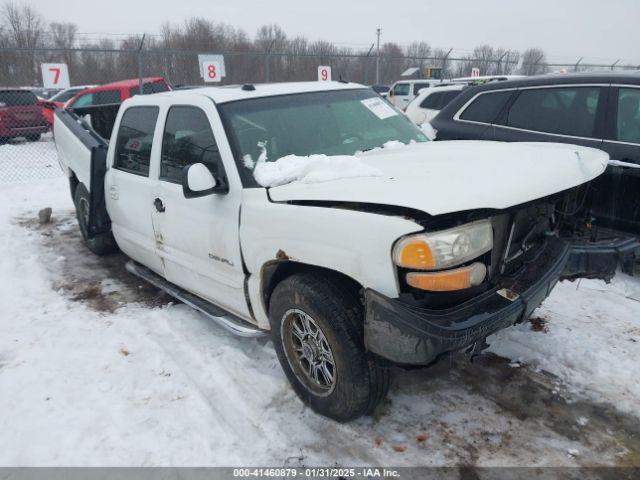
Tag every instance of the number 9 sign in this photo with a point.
(324, 73)
(211, 72)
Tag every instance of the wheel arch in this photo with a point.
(274, 272)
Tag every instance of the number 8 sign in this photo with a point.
(324, 73)
(211, 71)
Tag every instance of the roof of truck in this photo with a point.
(232, 93)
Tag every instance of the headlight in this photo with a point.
(444, 249)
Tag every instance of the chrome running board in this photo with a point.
(226, 320)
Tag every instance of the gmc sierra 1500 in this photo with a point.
(370, 254)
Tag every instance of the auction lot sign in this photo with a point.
(324, 73)
(55, 75)
(212, 67)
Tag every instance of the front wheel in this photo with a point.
(316, 327)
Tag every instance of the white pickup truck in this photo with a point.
(320, 214)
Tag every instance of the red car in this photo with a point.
(21, 115)
(59, 99)
(117, 92)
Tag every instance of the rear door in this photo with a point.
(129, 191)
(622, 142)
(198, 238)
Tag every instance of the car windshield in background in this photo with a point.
(339, 122)
(65, 95)
(12, 98)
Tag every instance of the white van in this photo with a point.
(403, 91)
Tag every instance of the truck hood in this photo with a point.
(445, 177)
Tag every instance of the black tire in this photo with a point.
(101, 244)
(34, 137)
(359, 384)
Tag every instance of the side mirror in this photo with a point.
(197, 181)
(391, 93)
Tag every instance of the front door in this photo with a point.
(128, 188)
(198, 238)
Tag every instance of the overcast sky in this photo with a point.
(596, 29)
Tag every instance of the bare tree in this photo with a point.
(533, 62)
(24, 28)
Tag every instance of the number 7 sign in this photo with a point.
(55, 75)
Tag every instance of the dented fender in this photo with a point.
(355, 243)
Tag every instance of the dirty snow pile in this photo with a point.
(576, 341)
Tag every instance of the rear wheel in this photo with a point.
(33, 138)
(316, 327)
(100, 244)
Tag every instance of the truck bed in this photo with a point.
(82, 154)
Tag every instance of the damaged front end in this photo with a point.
(533, 247)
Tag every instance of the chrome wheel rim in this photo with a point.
(308, 352)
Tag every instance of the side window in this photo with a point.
(135, 138)
(85, 100)
(486, 107)
(107, 97)
(419, 86)
(447, 97)
(188, 139)
(401, 89)
(628, 118)
(562, 110)
(432, 101)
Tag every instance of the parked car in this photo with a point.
(59, 99)
(402, 92)
(20, 115)
(600, 110)
(381, 256)
(116, 92)
(44, 93)
(382, 90)
(430, 101)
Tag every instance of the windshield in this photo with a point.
(340, 122)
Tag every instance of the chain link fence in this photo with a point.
(27, 150)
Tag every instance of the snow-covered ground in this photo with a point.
(97, 369)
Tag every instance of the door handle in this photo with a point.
(159, 205)
(113, 192)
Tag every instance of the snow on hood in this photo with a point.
(309, 169)
(446, 177)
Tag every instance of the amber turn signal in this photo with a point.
(449, 280)
(416, 253)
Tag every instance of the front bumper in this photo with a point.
(410, 335)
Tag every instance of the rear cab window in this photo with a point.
(148, 88)
(135, 139)
(14, 98)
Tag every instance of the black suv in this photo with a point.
(600, 110)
